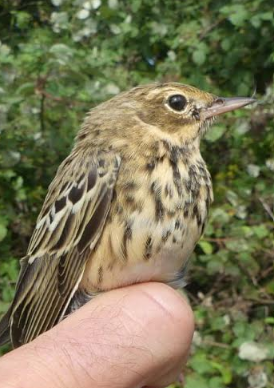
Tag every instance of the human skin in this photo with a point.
(137, 336)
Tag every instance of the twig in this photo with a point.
(42, 111)
(193, 298)
(217, 240)
(210, 28)
(50, 96)
(214, 288)
(40, 90)
(266, 272)
(246, 272)
(261, 301)
(267, 208)
(217, 344)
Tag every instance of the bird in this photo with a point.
(128, 205)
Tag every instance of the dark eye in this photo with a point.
(177, 102)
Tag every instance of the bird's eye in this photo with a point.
(177, 102)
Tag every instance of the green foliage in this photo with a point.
(60, 58)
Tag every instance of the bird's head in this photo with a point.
(171, 110)
(181, 109)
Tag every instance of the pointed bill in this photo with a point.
(222, 105)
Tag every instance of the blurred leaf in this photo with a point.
(215, 133)
(224, 370)
(3, 232)
(199, 57)
(196, 381)
(200, 364)
(206, 247)
(261, 231)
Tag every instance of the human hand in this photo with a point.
(131, 337)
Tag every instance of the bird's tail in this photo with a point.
(5, 329)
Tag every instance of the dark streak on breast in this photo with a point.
(194, 211)
(129, 186)
(100, 274)
(166, 235)
(170, 214)
(126, 237)
(151, 165)
(167, 190)
(148, 248)
(202, 170)
(129, 199)
(174, 155)
(159, 208)
(196, 214)
(188, 185)
(118, 209)
(177, 179)
(208, 197)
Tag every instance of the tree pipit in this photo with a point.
(127, 205)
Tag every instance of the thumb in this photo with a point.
(131, 337)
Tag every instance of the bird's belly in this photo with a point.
(165, 264)
(152, 253)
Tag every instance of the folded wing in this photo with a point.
(68, 228)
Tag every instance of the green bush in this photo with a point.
(60, 58)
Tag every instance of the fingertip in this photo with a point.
(175, 308)
(173, 330)
(172, 301)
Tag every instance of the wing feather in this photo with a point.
(68, 228)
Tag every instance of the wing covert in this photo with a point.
(68, 227)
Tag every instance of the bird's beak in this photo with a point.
(222, 105)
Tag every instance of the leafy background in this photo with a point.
(59, 58)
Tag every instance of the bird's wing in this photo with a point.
(68, 227)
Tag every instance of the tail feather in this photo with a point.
(5, 329)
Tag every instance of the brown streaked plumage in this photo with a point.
(127, 205)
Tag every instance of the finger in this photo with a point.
(132, 337)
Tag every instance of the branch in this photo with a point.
(40, 91)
